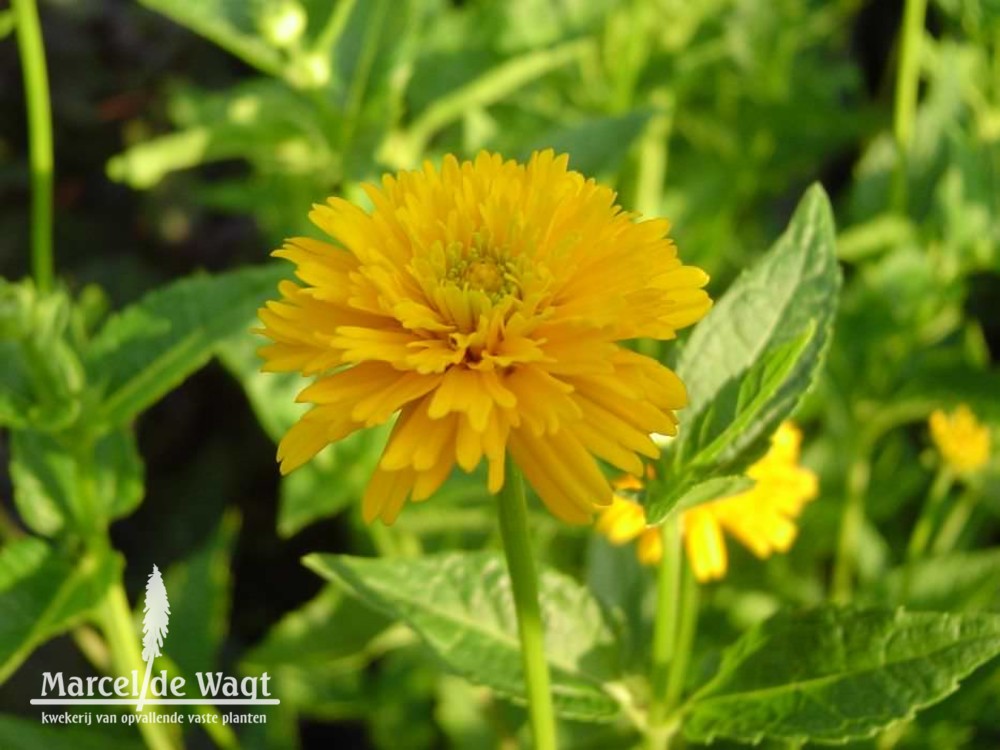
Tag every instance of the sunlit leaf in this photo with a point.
(831, 674)
(460, 605)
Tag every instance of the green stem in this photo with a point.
(513, 514)
(685, 636)
(665, 631)
(123, 639)
(850, 525)
(954, 523)
(36, 94)
(654, 151)
(922, 530)
(905, 105)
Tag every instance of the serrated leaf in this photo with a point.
(460, 604)
(43, 593)
(150, 347)
(837, 674)
(49, 487)
(752, 358)
(794, 286)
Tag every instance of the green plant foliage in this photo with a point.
(873, 309)
(754, 356)
(43, 593)
(838, 674)
(461, 607)
(149, 348)
(52, 489)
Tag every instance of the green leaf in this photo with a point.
(833, 674)
(667, 498)
(17, 733)
(49, 487)
(150, 347)
(200, 592)
(43, 594)
(460, 605)
(757, 352)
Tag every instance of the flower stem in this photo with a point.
(665, 634)
(685, 636)
(905, 104)
(921, 536)
(122, 638)
(954, 523)
(36, 94)
(513, 514)
(654, 152)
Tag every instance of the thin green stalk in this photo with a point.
(123, 640)
(954, 523)
(654, 153)
(905, 104)
(36, 95)
(513, 514)
(922, 530)
(685, 636)
(665, 631)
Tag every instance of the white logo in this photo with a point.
(156, 617)
(214, 688)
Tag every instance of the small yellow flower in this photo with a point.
(964, 442)
(484, 303)
(762, 518)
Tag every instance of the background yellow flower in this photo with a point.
(964, 442)
(762, 518)
(484, 303)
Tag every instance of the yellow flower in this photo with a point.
(762, 518)
(964, 442)
(484, 302)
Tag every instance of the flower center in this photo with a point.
(483, 268)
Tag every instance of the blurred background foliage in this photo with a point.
(194, 135)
